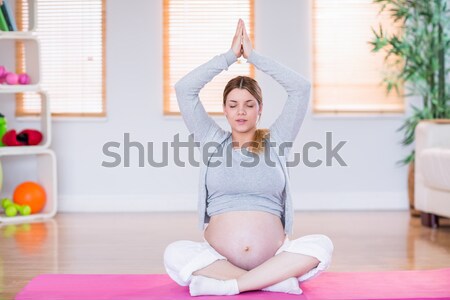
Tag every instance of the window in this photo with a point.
(347, 75)
(194, 32)
(72, 35)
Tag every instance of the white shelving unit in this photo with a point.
(32, 61)
(46, 159)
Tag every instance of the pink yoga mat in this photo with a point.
(416, 284)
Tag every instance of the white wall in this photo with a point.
(134, 105)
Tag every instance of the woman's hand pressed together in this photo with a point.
(241, 44)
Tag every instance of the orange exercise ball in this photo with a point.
(32, 194)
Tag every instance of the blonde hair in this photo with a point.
(252, 86)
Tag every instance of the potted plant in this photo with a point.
(422, 53)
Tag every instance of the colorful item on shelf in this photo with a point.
(24, 78)
(24, 210)
(6, 202)
(27, 137)
(1, 176)
(8, 15)
(3, 129)
(2, 74)
(8, 9)
(12, 78)
(11, 208)
(3, 24)
(32, 194)
(11, 211)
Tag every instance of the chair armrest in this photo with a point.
(431, 135)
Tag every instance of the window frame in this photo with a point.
(167, 88)
(20, 111)
(340, 110)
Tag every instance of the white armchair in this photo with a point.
(432, 171)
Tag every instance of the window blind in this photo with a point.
(194, 32)
(72, 39)
(347, 76)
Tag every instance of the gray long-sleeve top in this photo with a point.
(205, 129)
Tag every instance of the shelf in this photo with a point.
(11, 89)
(45, 129)
(18, 150)
(31, 11)
(32, 61)
(21, 219)
(46, 176)
(17, 34)
(45, 158)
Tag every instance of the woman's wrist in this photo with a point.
(230, 56)
(251, 56)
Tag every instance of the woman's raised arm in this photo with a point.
(298, 88)
(288, 123)
(188, 88)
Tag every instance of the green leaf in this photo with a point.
(407, 160)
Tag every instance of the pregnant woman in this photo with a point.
(245, 206)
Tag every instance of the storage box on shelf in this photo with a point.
(32, 62)
(46, 176)
(45, 129)
(30, 10)
(31, 47)
(46, 159)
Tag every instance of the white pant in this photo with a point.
(184, 257)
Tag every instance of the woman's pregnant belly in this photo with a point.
(245, 238)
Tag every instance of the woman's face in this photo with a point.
(241, 105)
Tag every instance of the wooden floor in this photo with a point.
(134, 243)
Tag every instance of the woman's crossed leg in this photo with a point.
(204, 269)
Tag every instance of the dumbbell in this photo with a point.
(13, 78)
(11, 209)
